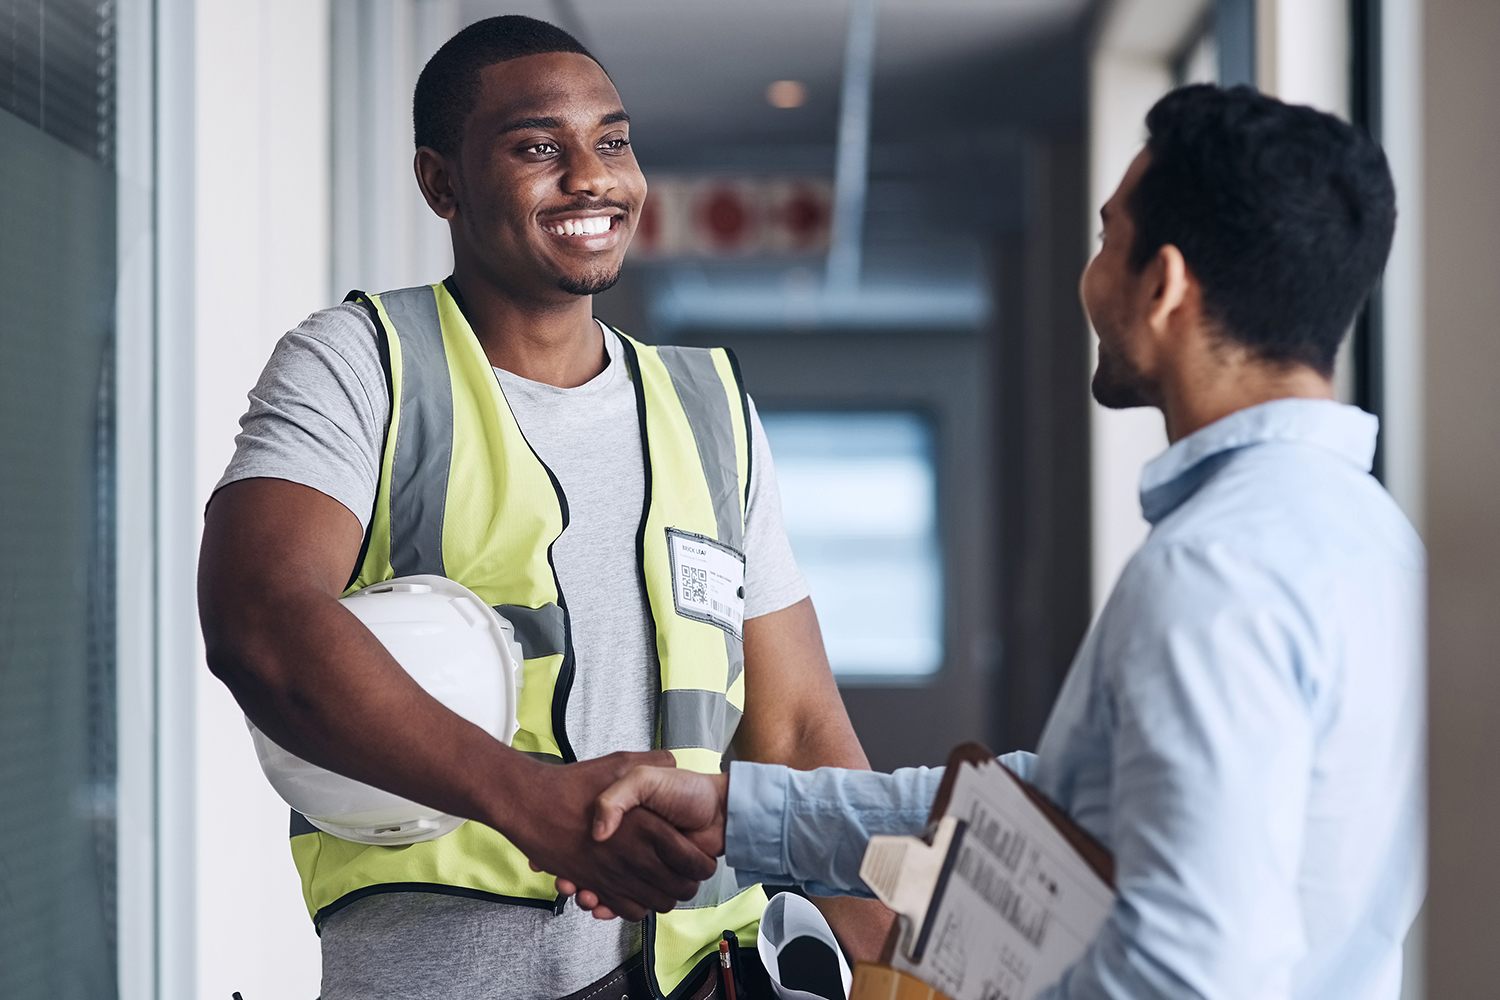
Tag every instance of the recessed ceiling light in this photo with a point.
(786, 94)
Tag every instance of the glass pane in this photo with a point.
(57, 699)
(859, 495)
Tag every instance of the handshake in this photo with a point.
(625, 834)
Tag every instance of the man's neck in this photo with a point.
(1201, 395)
(557, 343)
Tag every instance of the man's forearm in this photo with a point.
(315, 681)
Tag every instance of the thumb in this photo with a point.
(635, 789)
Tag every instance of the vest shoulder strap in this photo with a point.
(383, 348)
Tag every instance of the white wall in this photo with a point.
(384, 235)
(262, 238)
(1302, 57)
(1302, 52)
(1130, 71)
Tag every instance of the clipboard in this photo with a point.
(1031, 884)
(1087, 846)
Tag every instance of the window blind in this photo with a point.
(57, 70)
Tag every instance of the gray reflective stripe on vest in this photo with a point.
(718, 888)
(540, 631)
(697, 718)
(424, 435)
(701, 391)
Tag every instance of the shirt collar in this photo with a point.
(1174, 475)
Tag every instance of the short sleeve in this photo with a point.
(319, 412)
(772, 579)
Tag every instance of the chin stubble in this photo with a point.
(1115, 386)
(590, 285)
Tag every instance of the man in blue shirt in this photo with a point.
(1242, 725)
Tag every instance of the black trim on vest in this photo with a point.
(556, 906)
(383, 346)
(739, 380)
(300, 825)
(451, 284)
(633, 363)
(568, 670)
(563, 687)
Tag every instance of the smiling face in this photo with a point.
(1119, 301)
(544, 192)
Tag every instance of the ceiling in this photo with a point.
(691, 71)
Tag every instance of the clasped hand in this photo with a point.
(642, 863)
(647, 798)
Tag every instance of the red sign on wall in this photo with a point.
(734, 217)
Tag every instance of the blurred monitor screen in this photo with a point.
(859, 497)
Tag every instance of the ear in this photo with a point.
(436, 178)
(1172, 287)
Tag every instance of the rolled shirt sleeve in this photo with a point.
(810, 828)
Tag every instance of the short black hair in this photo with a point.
(1284, 214)
(448, 88)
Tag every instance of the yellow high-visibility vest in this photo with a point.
(462, 495)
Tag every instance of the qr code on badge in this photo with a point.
(694, 585)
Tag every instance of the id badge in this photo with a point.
(708, 580)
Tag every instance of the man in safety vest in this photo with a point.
(615, 501)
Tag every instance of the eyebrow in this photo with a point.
(522, 124)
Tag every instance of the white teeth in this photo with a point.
(592, 226)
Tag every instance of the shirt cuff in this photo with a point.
(755, 832)
(1022, 764)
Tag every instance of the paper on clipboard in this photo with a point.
(1007, 894)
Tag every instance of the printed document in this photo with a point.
(1012, 904)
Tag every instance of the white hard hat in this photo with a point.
(462, 652)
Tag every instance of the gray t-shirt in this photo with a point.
(318, 417)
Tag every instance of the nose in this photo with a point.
(587, 174)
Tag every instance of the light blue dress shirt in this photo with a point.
(1242, 727)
